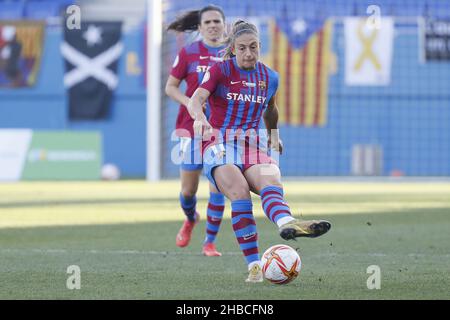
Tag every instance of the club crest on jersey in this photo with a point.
(262, 85)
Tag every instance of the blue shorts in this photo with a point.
(190, 153)
(241, 156)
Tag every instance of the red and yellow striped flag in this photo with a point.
(303, 74)
(30, 35)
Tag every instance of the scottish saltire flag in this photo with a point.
(300, 53)
(21, 45)
(91, 54)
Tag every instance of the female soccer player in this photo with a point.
(190, 65)
(240, 90)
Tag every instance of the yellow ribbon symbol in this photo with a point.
(367, 43)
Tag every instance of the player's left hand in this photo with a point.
(276, 144)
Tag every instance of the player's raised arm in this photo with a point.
(270, 117)
(195, 108)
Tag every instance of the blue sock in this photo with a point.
(244, 227)
(273, 203)
(188, 205)
(214, 214)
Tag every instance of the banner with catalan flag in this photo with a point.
(300, 52)
(21, 44)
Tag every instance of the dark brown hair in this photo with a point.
(189, 21)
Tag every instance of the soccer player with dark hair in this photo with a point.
(241, 90)
(190, 65)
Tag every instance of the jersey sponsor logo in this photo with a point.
(212, 58)
(244, 83)
(249, 84)
(201, 69)
(245, 97)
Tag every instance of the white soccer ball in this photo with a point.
(280, 264)
(110, 172)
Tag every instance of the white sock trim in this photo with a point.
(284, 220)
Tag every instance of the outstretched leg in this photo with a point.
(265, 179)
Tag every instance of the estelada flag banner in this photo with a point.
(21, 44)
(300, 53)
(368, 51)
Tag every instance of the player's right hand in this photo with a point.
(202, 128)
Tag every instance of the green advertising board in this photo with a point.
(63, 155)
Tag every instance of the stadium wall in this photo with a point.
(45, 106)
(410, 119)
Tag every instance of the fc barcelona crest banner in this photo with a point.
(21, 45)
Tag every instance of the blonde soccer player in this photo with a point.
(241, 91)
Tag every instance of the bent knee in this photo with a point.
(188, 191)
(239, 193)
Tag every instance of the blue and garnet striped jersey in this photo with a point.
(190, 65)
(238, 97)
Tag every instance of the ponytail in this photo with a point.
(190, 21)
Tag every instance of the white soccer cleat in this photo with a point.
(255, 274)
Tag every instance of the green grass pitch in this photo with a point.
(122, 236)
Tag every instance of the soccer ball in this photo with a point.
(110, 172)
(280, 264)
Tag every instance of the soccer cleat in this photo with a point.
(184, 235)
(255, 274)
(304, 228)
(209, 250)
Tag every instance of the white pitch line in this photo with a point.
(191, 253)
(119, 252)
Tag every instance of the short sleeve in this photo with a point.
(275, 82)
(180, 65)
(212, 78)
(273, 85)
